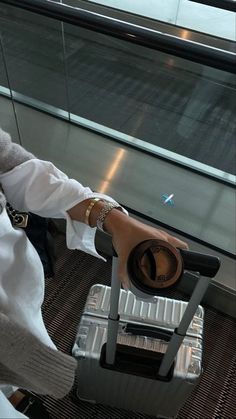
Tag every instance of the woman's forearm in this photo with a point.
(112, 221)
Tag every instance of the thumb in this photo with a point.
(177, 242)
(123, 274)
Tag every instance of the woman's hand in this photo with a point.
(126, 233)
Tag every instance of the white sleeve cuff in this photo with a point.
(39, 187)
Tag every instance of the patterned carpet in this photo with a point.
(65, 296)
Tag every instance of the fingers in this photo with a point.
(177, 242)
(123, 276)
(173, 240)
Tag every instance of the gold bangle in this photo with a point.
(89, 209)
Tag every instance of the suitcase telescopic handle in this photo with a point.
(113, 318)
(206, 265)
(180, 332)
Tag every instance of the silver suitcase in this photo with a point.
(161, 312)
(123, 360)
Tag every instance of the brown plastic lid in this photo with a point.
(154, 265)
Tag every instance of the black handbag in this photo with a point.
(36, 229)
(18, 219)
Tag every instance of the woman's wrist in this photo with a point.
(115, 220)
(90, 214)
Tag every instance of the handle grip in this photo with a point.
(154, 265)
(148, 331)
(206, 265)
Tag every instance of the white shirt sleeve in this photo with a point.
(37, 186)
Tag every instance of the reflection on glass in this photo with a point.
(8, 121)
(34, 55)
(185, 34)
(112, 171)
(166, 101)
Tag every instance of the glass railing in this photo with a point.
(174, 108)
(164, 104)
(171, 107)
(8, 120)
(212, 17)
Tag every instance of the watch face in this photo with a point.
(154, 264)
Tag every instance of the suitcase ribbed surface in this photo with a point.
(76, 272)
(160, 311)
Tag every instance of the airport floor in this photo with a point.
(184, 13)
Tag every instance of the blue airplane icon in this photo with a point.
(167, 199)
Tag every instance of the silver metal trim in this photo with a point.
(155, 150)
(34, 103)
(124, 138)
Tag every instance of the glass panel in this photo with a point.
(168, 102)
(140, 97)
(3, 75)
(7, 112)
(207, 19)
(34, 53)
(161, 103)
